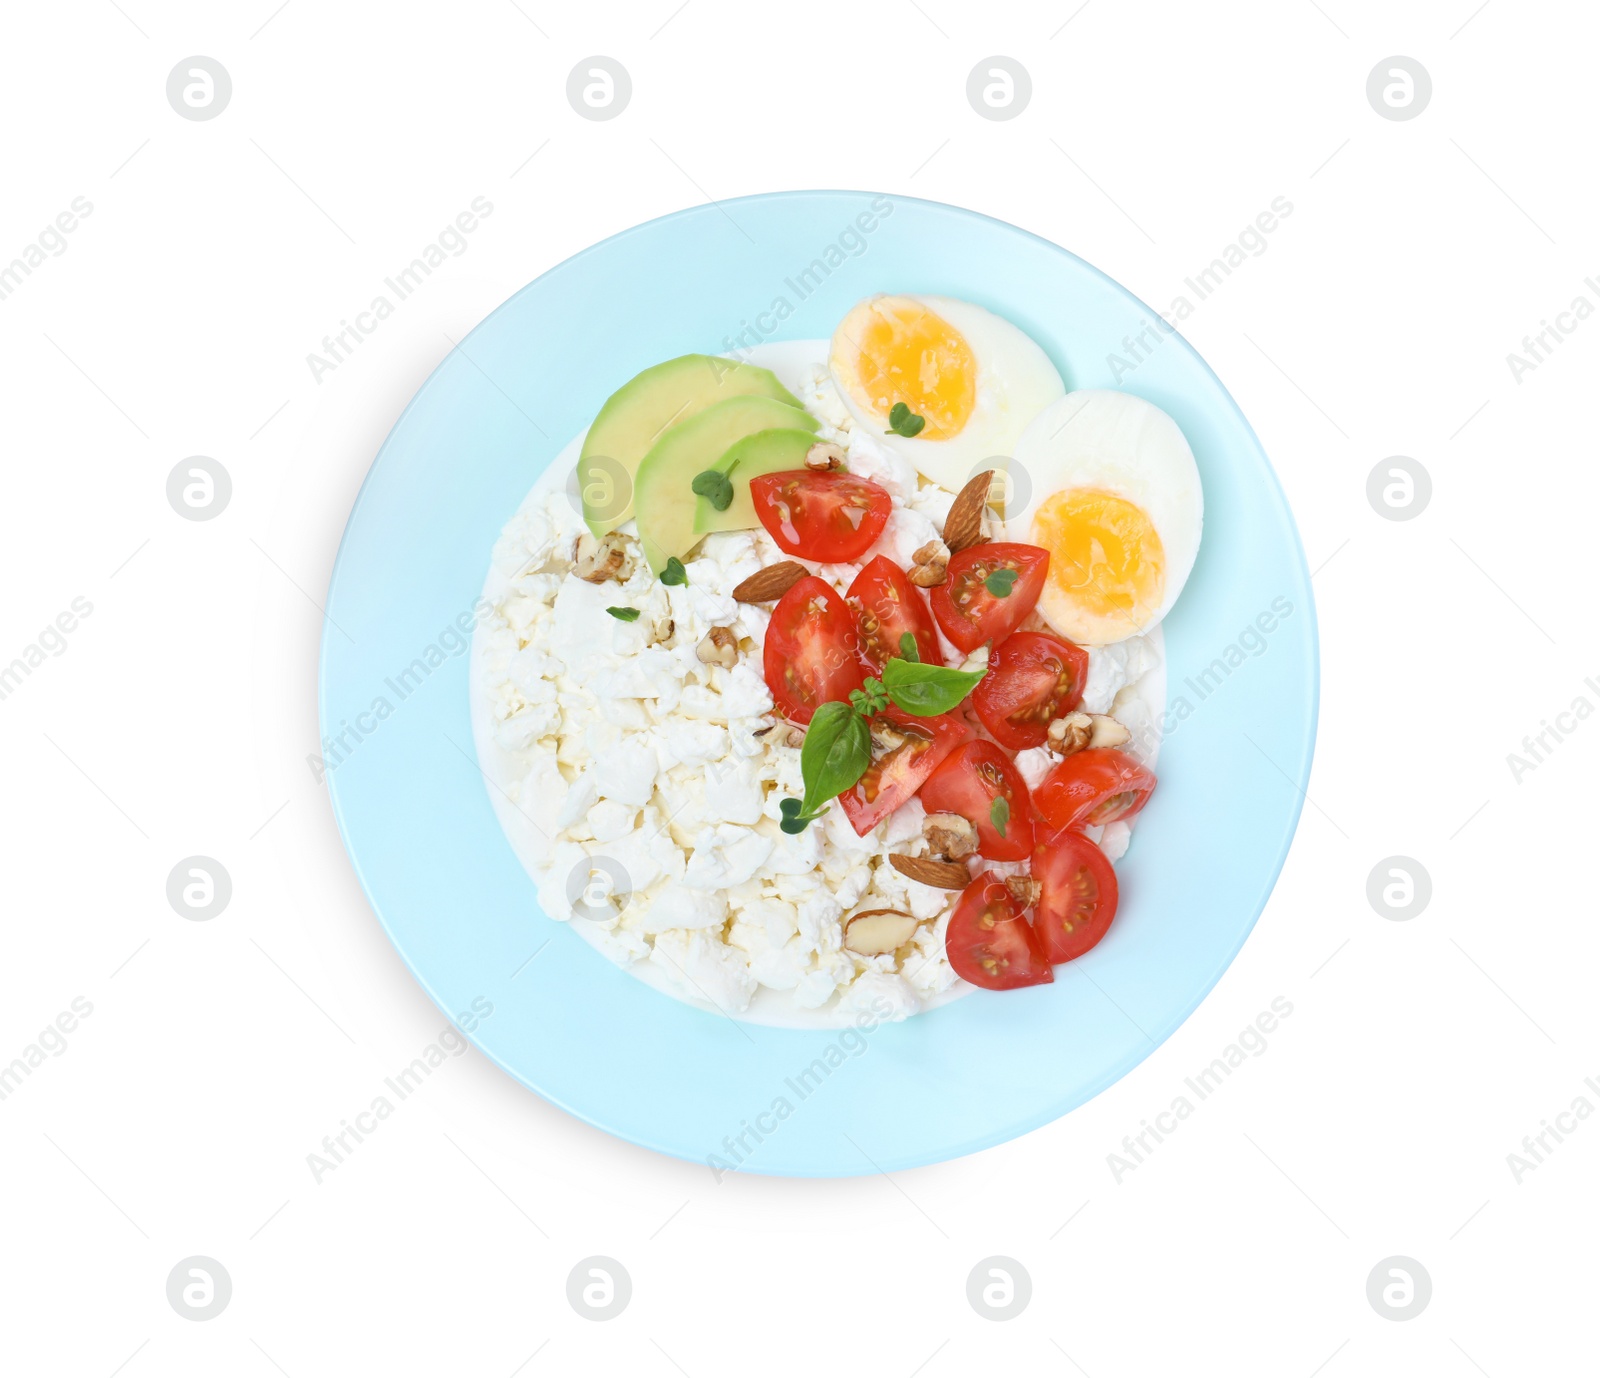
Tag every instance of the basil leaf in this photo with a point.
(1000, 815)
(624, 614)
(908, 648)
(927, 690)
(836, 753)
(870, 698)
(1000, 581)
(713, 486)
(674, 573)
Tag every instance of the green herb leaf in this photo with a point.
(793, 821)
(674, 573)
(904, 421)
(624, 614)
(714, 487)
(908, 648)
(836, 753)
(927, 690)
(1000, 815)
(1000, 581)
(870, 698)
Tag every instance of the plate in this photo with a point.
(414, 810)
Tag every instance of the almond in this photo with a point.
(771, 583)
(873, 932)
(964, 525)
(942, 875)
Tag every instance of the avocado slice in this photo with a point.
(765, 452)
(638, 413)
(664, 496)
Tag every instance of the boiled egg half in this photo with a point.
(1115, 498)
(974, 379)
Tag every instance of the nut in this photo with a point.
(602, 559)
(661, 630)
(942, 875)
(873, 932)
(719, 646)
(824, 455)
(782, 734)
(1079, 730)
(766, 585)
(930, 565)
(977, 659)
(950, 835)
(964, 524)
(1069, 734)
(886, 737)
(1107, 731)
(1024, 890)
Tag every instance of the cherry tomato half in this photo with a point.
(990, 943)
(1077, 895)
(970, 783)
(905, 751)
(887, 605)
(968, 611)
(1092, 787)
(810, 653)
(820, 515)
(1032, 679)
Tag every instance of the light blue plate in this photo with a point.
(415, 812)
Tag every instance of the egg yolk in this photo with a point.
(903, 352)
(1105, 556)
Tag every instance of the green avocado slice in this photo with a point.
(639, 413)
(664, 496)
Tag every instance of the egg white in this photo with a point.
(1124, 445)
(1015, 382)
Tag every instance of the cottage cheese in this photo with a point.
(641, 788)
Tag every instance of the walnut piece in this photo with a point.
(824, 456)
(719, 646)
(1077, 731)
(1024, 890)
(930, 565)
(950, 835)
(602, 559)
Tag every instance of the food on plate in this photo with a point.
(981, 786)
(973, 381)
(820, 514)
(1117, 504)
(989, 593)
(809, 655)
(1077, 895)
(636, 414)
(809, 727)
(665, 495)
(1093, 787)
(888, 608)
(1034, 680)
(991, 943)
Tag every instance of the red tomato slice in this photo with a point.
(1032, 678)
(898, 770)
(967, 612)
(1092, 787)
(887, 605)
(1077, 895)
(828, 516)
(990, 943)
(810, 653)
(969, 783)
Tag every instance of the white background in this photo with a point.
(177, 322)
